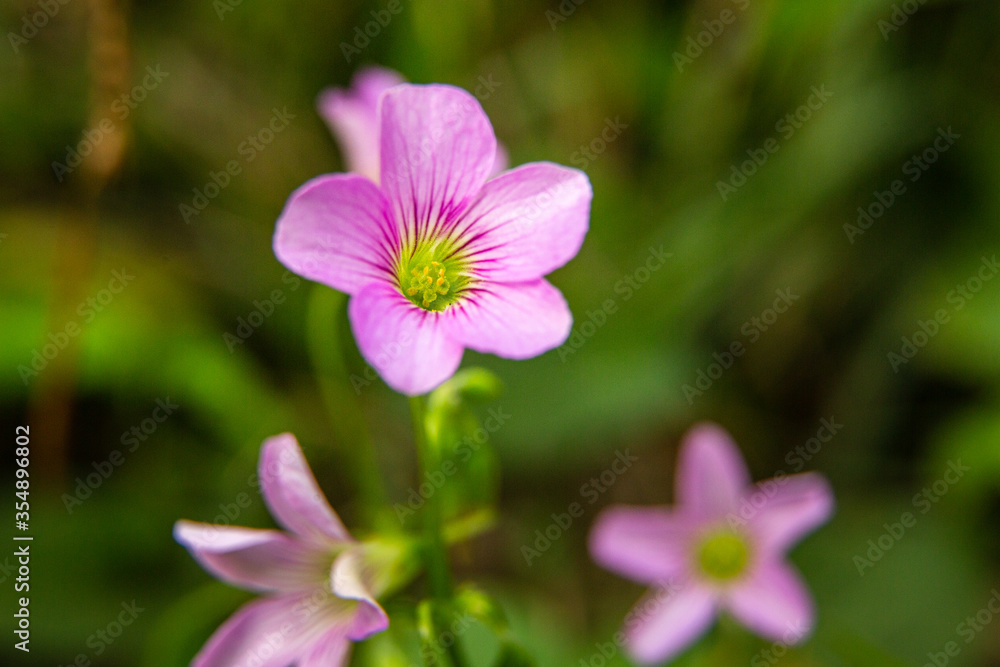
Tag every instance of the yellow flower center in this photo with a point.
(722, 555)
(429, 282)
(430, 278)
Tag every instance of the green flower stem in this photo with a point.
(433, 626)
(436, 553)
(435, 548)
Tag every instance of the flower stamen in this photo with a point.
(431, 279)
(429, 283)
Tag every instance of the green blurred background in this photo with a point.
(557, 75)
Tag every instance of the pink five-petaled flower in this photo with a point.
(352, 116)
(438, 257)
(721, 548)
(318, 583)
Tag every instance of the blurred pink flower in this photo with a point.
(352, 116)
(318, 583)
(722, 547)
(438, 257)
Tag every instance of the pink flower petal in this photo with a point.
(408, 346)
(438, 149)
(512, 320)
(335, 230)
(711, 474)
(370, 82)
(801, 504)
(330, 651)
(501, 161)
(292, 493)
(258, 560)
(646, 544)
(664, 623)
(527, 222)
(347, 575)
(352, 116)
(774, 603)
(266, 632)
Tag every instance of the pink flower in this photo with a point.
(439, 257)
(318, 583)
(352, 116)
(721, 548)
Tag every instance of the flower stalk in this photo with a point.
(435, 550)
